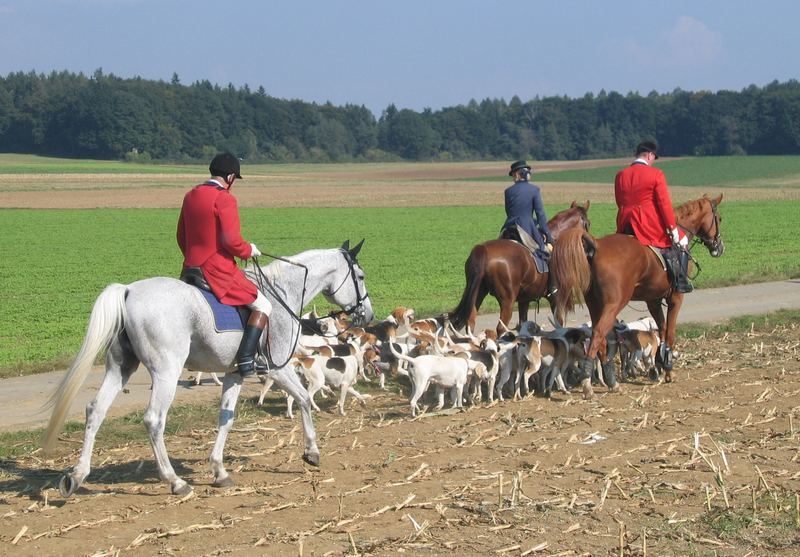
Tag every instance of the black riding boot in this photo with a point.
(682, 282)
(551, 289)
(246, 362)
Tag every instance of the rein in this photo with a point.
(264, 285)
(709, 243)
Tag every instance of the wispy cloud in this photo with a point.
(690, 42)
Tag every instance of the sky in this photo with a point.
(412, 53)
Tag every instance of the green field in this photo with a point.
(53, 263)
(705, 171)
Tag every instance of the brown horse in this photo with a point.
(506, 270)
(609, 272)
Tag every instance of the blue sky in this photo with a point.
(412, 53)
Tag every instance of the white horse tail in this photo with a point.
(106, 322)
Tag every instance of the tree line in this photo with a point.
(107, 117)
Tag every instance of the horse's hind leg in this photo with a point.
(289, 382)
(231, 386)
(155, 420)
(121, 362)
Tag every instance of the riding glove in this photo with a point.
(677, 239)
(254, 252)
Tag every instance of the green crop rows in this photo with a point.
(53, 263)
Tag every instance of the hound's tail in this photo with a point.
(397, 354)
(106, 322)
(474, 269)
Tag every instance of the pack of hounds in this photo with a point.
(428, 353)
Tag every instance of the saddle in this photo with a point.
(670, 259)
(517, 234)
(226, 318)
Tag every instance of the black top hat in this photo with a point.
(518, 165)
(646, 147)
(224, 164)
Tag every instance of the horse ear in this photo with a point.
(573, 204)
(356, 249)
(718, 200)
(346, 245)
(587, 206)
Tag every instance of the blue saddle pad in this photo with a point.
(226, 318)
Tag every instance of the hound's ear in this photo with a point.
(718, 200)
(346, 245)
(356, 249)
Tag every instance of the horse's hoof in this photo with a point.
(184, 489)
(67, 485)
(668, 377)
(614, 389)
(312, 459)
(227, 481)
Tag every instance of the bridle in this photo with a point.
(356, 309)
(264, 284)
(712, 244)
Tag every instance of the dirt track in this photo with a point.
(389, 484)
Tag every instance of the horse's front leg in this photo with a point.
(673, 307)
(231, 386)
(287, 380)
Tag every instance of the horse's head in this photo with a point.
(350, 292)
(576, 216)
(701, 219)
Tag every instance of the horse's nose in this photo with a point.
(720, 248)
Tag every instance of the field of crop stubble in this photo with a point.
(706, 466)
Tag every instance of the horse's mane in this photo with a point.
(690, 207)
(276, 270)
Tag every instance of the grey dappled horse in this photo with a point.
(166, 325)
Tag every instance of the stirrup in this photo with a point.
(684, 286)
(248, 367)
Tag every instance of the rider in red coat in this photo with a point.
(645, 207)
(209, 236)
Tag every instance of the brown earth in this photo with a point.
(709, 465)
(389, 185)
(675, 467)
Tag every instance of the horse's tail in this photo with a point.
(570, 264)
(105, 323)
(474, 269)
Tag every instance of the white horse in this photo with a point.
(166, 324)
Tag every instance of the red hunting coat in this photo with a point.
(644, 204)
(210, 237)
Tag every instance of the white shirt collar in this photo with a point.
(640, 160)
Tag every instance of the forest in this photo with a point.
(103, 116)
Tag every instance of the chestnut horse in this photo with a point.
(609, 272)
(506, 270)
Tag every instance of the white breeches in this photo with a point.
(261, 304)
